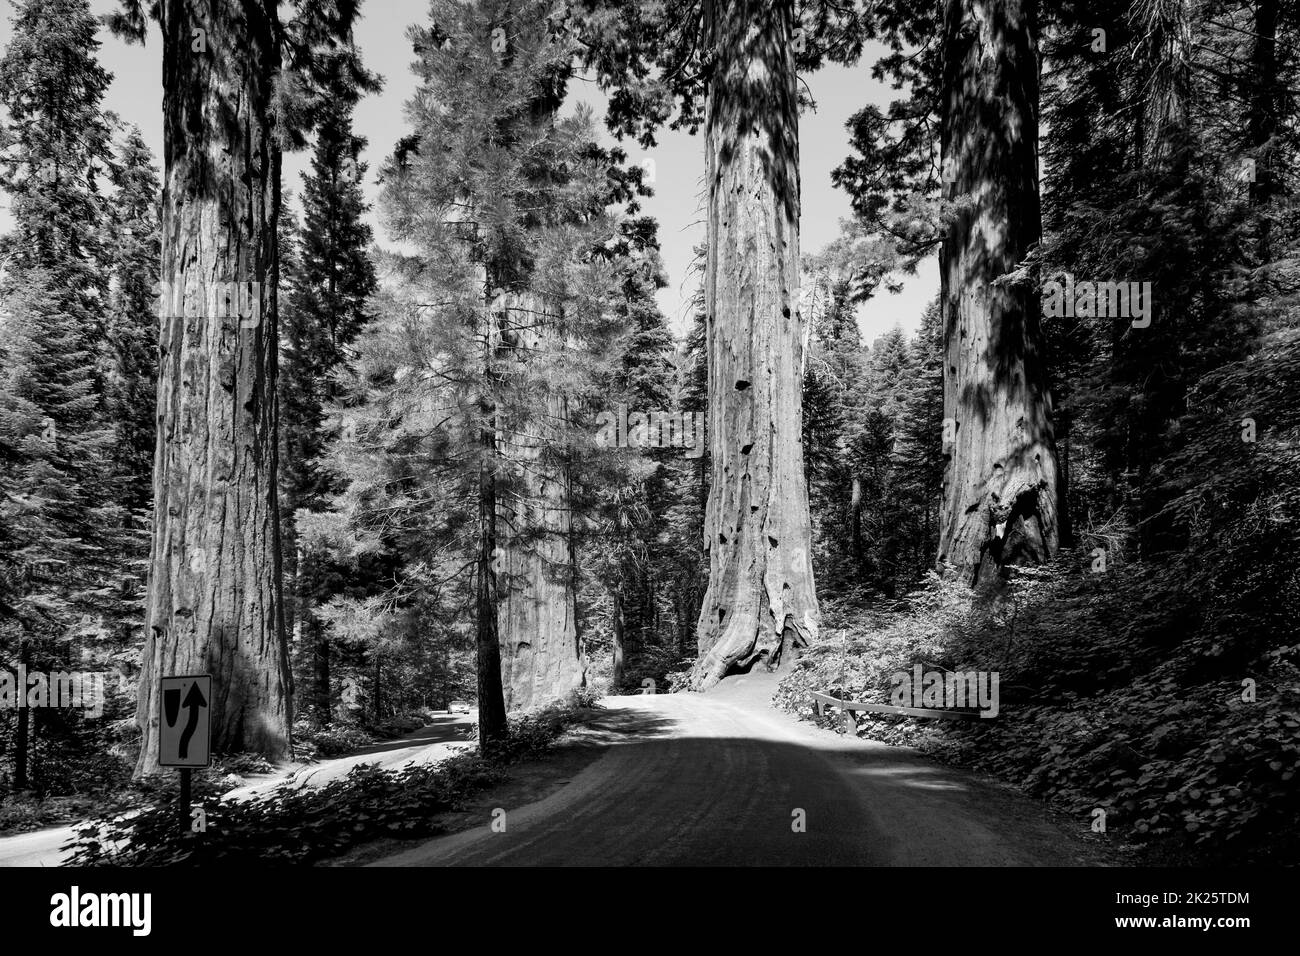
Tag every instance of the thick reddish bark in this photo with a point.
(1002, 485)
(761, 599)
(214, 604)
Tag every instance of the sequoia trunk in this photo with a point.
(541, 659)
(760, 599)
(1001, 484)
(214, 604)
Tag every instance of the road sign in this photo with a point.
(185, 729)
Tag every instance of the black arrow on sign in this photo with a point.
(195, 702)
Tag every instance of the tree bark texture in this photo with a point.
(1001, 485)
(761, 598)
(214, 603)
(541, 657)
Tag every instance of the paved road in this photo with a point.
(38, 848)
(720, 779)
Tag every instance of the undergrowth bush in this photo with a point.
(1112, 696)
(311, 743)
(292, 825)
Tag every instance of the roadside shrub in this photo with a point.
(293, 825)
(1114, 694)
(319, 743)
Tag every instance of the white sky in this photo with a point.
(136, 95)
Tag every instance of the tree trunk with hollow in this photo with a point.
(1002, 484)
(214, 602)
(761, 601)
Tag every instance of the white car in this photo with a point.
(458, 707)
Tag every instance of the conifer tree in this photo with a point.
(488, 345)
(62, 519)
(333, 278)
(729, 67)
(241, 84)
(132, 374)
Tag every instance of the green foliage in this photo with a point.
(290, 826)
(641, 540)
(303, 825)
(23, 812)
(1119, 689)
(75, 381)
(532, 734)
(327, 278)
(460, 400)
(314, 743)
(1105, 701)
(132, 328)
(656, 58)
(872, 438)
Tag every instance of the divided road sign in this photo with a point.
(185, 729)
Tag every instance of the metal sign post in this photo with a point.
(185, 731)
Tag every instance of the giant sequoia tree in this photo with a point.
(737, 60)
(214, 585)
(1001, 491)
(233, 77)
(761, 599)
(971, 193)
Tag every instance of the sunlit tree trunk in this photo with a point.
(761, 599)
(214, 604)
(1165, 51)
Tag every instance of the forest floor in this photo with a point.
(724, 779)
(441, 738)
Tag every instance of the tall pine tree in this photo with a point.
(59, 509)
(332, 280)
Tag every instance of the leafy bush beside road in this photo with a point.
(1105, 703)
(295, 826)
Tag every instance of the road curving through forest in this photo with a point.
(723, 779)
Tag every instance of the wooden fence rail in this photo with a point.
(851, 707)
